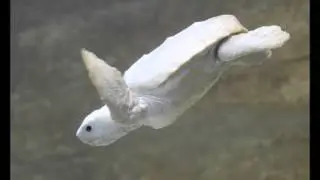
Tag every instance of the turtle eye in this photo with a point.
(88, 128)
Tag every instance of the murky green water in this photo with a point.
(219, 142)
(51, 93)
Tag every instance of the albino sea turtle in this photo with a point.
(163, 84)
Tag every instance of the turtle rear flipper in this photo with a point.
(252, 47)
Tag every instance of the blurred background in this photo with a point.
(253, 125)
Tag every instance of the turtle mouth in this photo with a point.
(97, 142)
(92, 142)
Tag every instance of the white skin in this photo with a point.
(99, 129)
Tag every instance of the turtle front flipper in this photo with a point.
(124, 105)
(258, 42)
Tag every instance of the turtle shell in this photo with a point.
(157, 67)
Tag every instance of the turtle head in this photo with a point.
(98, 128)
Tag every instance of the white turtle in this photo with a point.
(163, 84)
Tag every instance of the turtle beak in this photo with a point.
(78, 132)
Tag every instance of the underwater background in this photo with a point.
(253, 125)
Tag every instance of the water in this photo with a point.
(252, 125)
